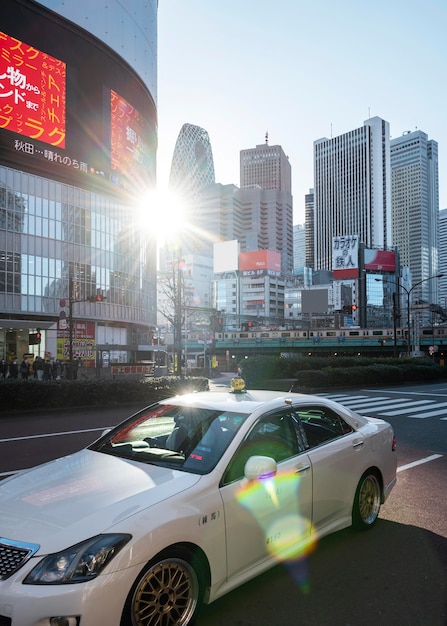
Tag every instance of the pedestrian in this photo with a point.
(14, 369)
(4, 368)
(57, 370)
(38, 368)
(24, 369)
(47, 367)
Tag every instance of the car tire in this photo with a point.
(169, 591)
(368, 497)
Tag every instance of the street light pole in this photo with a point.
(408, 292)
(178, 316)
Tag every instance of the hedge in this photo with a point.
(19, 395)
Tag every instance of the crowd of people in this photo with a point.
(38, 369)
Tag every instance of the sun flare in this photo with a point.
(162, 213)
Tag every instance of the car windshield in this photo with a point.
(183, 437)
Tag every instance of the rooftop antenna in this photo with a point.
(369, 113)
(267, 137)
(331, 130)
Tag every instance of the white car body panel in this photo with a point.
(242, 528)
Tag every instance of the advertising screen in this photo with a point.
(380, 260)
(32, 92)
(128, 129)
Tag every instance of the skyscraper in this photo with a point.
(443, 258)
(265, 166)
(266, 198)
(415, 207)
(192, 166)
(192, 170)
(352, 189)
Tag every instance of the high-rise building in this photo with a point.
(352, 189)
(192, 171)
(299, 246)
(266, 167)
(309, 219)
(192, 167)
(415, 208)
(443, 258)
(77, 153)
(260, 219)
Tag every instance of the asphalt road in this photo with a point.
(392, 575)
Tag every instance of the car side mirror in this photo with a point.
(260, 467)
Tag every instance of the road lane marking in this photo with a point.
(66, 432)
(427, 459)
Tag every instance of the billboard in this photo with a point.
(32, 92)
(314, 300)
(128, 131)
(380, 260)
(345, 256)
(260, 260)
(226, 256)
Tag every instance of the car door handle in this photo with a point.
(358, 444)
(302, 468)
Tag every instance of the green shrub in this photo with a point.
(31, 394)
(320, 372)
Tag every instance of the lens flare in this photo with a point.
(274, 502)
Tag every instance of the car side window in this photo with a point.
(274, 435)
(321, 424)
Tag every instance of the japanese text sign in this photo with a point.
(32, 92)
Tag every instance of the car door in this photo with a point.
(335, 452)
(268, 518)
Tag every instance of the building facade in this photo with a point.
(443, 258)
(265, 166)
(352, 191)
(78, 144)
(415, 208)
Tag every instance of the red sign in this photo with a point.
(260, 260)
(380, 260)
(32, 92)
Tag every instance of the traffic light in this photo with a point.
(353, 307)
(34, 339)
(98, 297)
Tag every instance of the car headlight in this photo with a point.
(79, 563)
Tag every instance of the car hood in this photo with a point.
(79, 496)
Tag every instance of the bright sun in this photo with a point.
(162, 213)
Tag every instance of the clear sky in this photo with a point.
(300, 70)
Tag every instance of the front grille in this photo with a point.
(14, 554)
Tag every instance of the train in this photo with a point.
(429, 340)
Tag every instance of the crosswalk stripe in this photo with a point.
(385, 406)
(381, 403)
(433, 413)
(403, 405)
(411, 409)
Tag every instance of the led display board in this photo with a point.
(127, 135)
(32, 92)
